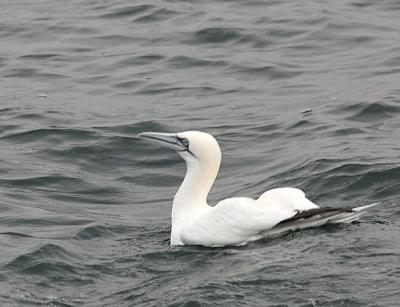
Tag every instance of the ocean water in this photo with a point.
(298, 93)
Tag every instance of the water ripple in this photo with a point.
(298, 94)
(128, 11)
(217, 35)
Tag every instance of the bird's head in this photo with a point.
(192, 146)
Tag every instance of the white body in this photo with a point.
(233, 221)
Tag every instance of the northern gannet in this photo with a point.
(239, 220)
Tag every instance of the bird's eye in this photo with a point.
(185, 142)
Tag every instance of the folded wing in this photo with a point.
(237, 221)
(234, 221)
(290, 199)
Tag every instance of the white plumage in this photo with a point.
(238, 220)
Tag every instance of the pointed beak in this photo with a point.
(170, 140)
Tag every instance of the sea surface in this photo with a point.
(298, 93)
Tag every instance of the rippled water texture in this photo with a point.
(298, 93)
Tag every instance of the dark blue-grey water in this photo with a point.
(298, 93)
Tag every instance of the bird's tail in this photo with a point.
(363, 208)
(349, 217)
(319, 217)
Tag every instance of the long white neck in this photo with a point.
(191, 199)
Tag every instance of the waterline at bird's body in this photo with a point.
(239, 220)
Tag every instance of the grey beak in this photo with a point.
(170, 140)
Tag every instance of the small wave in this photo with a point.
(8, 128)
(324, 177)
(338, 302)
(41, 182)
(27, 115)
(279, 71)
(16, 234)
(187, 62)
(11, 29)
(128, 11)
(348, 131)
(31, 73)
(152, 180)
(30, 299)
(304, 123)
(40, 56)
(98, 231)
(6, 110)
(157, 15)
(3, 61)
(141, 60)
(55, 270)
(114, 39)
(52, 262)
(45, 221)
(98, 195)
(45, 252)
(128, 84)
(99, 153)
(48, 134)
(216, 35)
(179, 91)
(134, 129)
(370, 112)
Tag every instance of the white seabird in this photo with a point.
(239, 220)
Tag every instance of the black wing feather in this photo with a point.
(313, 212)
